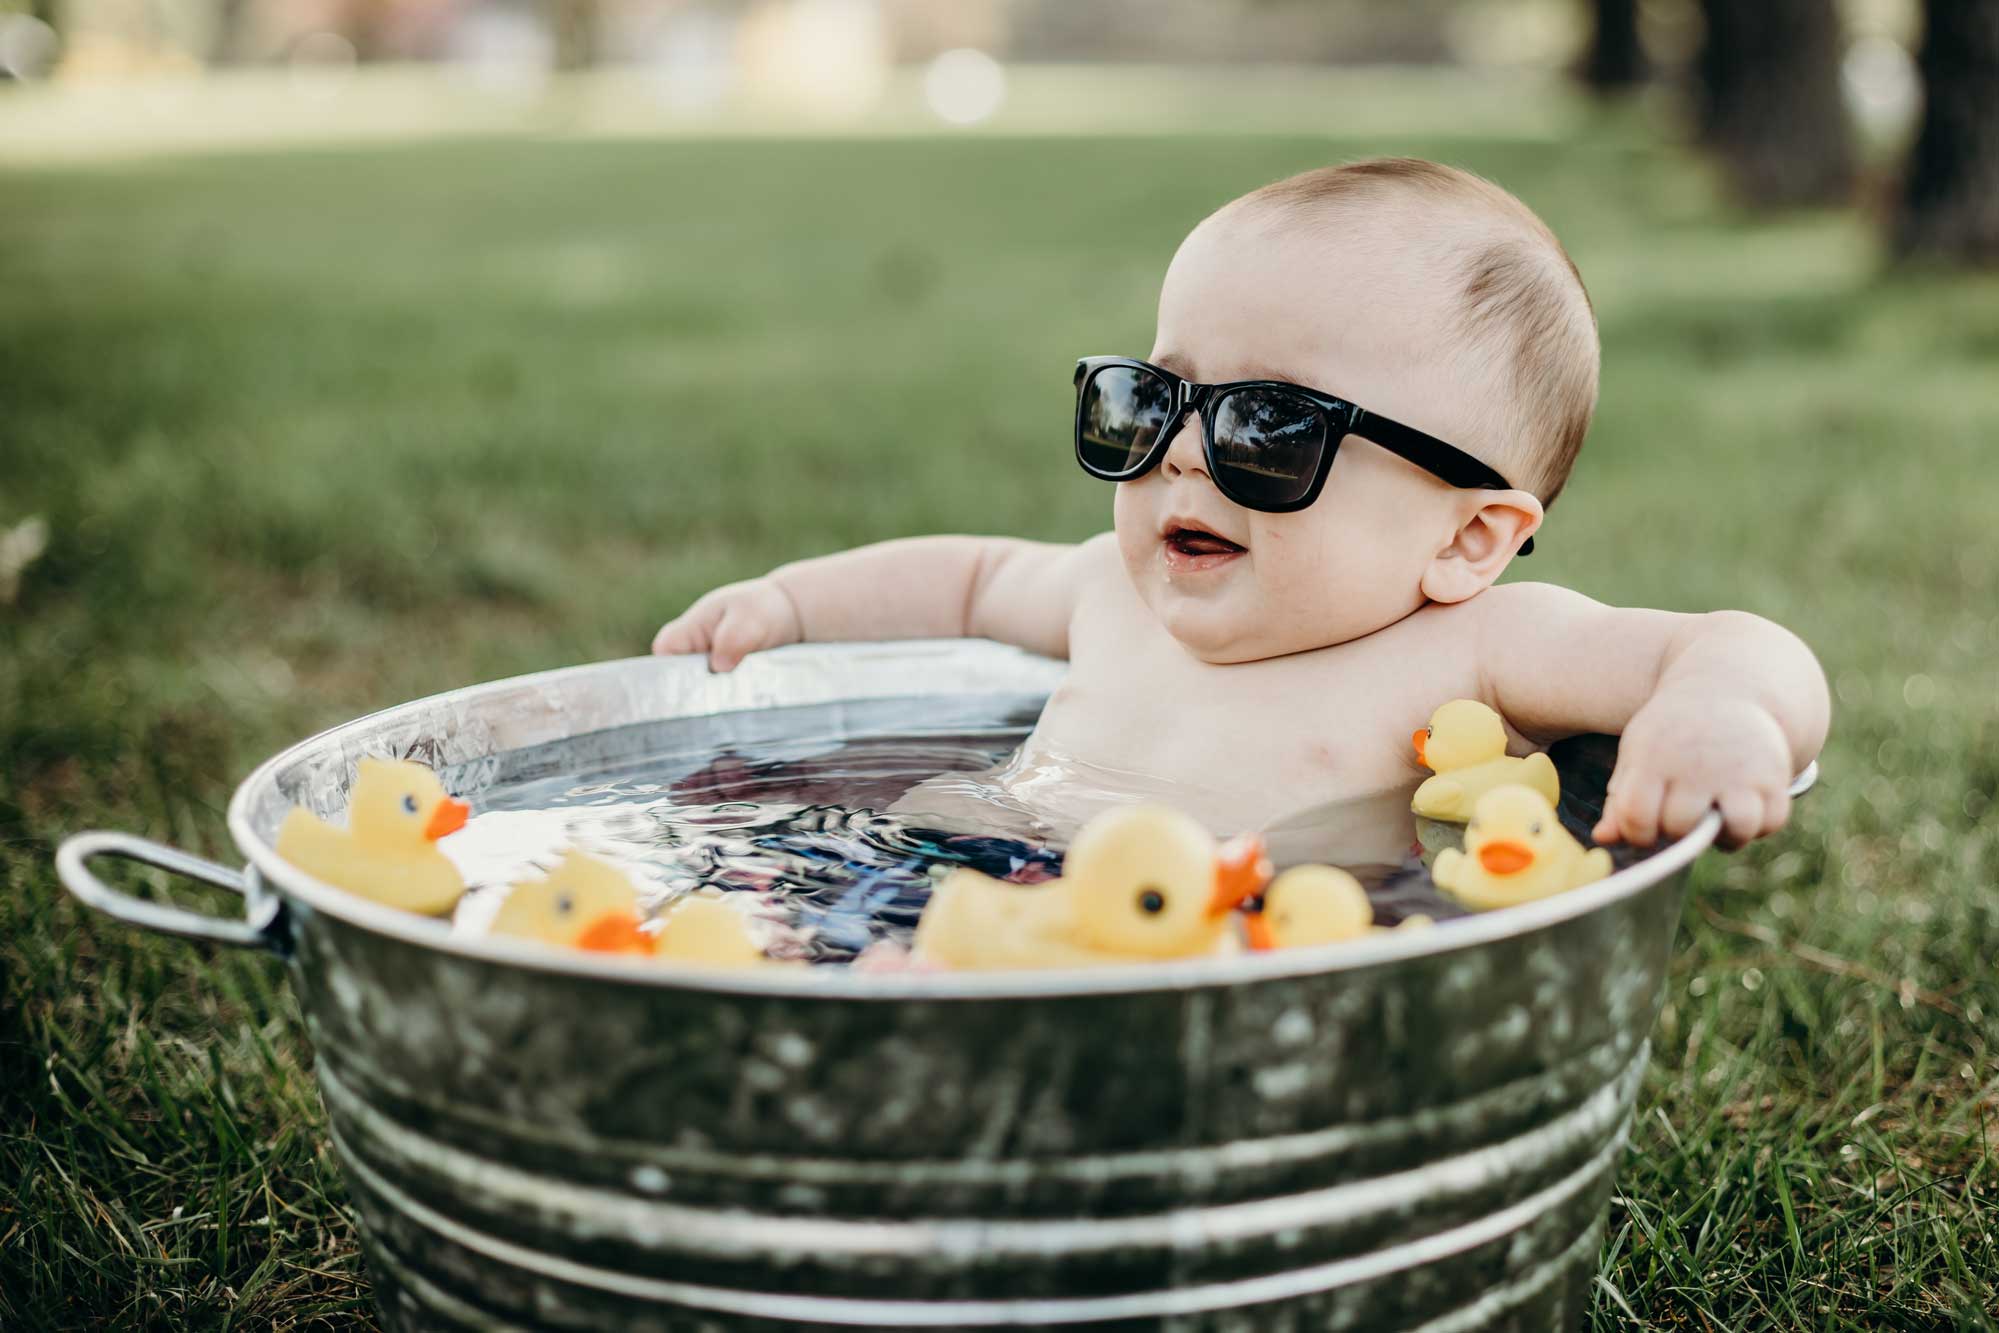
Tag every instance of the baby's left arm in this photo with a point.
(1718, 710)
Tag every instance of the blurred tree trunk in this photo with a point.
(1769, 100)
(367, 27)
(1614, 61)
(574, 23)
(228, 44)
(1950, 204)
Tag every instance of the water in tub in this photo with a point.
(840, 841)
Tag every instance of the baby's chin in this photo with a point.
(1214, 631)
(1226, 630)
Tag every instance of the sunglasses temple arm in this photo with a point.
(1432, 455)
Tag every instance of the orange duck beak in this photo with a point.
(1505, 858)
(616, 932)
(1422, 738)
(1242, 868)
(1261, 937)
(449, 816)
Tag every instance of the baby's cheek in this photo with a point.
(1135, 515)
(1329, 592)
(1134, 532)
(1299, 570)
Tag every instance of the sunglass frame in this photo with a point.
(1444, 461)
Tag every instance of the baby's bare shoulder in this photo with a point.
(1099, 553)
(1097, 567)
(1508, 615)
(1105, 604)
(1436, 626)
(1535, 599)
(1517, 619)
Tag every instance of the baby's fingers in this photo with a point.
(1685, 806)
(1743, 817)
(1632, 813)
(738, 635)
(685, 633)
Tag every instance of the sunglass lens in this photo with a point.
(1123, 409)
(1267, 446)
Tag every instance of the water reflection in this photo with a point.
(841, 846)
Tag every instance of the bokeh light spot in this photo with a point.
(964, 86)
(1881, 83)
(28, 46)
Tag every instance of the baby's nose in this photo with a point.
(1183, 452)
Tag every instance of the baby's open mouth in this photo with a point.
(1192, 541)
(1191, 549)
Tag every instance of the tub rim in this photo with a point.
(268, 870)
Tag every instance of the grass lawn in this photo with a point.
(318, 432)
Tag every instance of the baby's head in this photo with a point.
(1418, 293)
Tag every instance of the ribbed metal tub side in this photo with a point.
(546, 1148)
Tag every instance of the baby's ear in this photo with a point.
(1492, 526)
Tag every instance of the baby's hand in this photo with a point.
(732, 622)
(1688, 750)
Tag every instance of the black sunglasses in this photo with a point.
(1269, 444)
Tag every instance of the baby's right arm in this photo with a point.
(1018, 592)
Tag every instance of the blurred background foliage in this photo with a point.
(1779, 89)
(353, 350)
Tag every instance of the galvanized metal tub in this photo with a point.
(1415, 1131)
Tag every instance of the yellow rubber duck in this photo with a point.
(1139, 883)
(388, 852)
(1516, 851)
(1466, 744)
(588, 903)
(1314, 904)
(703, 929)
(1309, 905)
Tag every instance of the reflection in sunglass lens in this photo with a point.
(1267, 444)
(1123, 411)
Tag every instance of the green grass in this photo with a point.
(319, 432)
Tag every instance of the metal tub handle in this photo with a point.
(262, 925)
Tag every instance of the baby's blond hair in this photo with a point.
(1520, 299)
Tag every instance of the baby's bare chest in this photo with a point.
(1255, 740)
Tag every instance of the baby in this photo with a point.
(1367, 385)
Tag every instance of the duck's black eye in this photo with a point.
(409, 804)
(1152, 902)
(564, 903)
(1535, 828)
